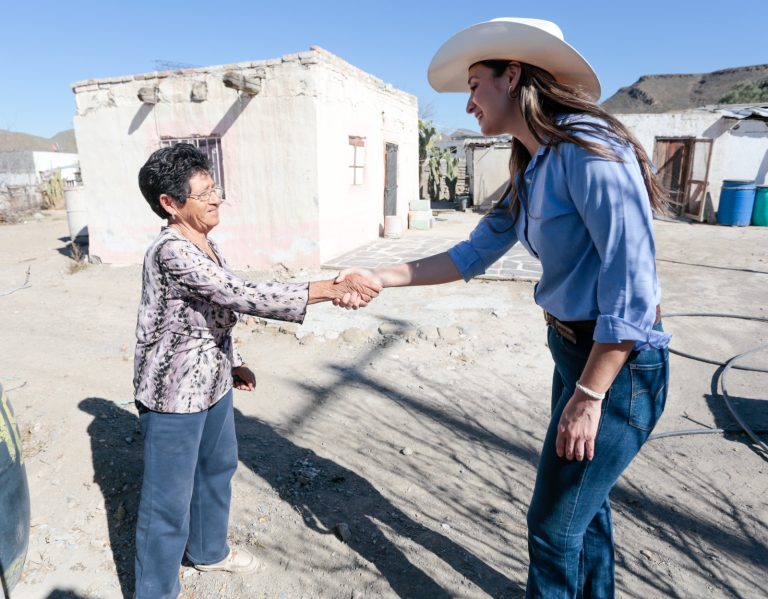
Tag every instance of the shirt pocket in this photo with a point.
(648, 378)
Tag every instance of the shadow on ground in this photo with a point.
(327, 494)
(118, 464)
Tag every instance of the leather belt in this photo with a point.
(573, 329)
(570, 330)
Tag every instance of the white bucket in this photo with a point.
(77, 215)
(393, 227)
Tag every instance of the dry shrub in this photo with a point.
(79, 259)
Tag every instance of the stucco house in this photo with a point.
(32, 179)
(312, 152)
(697, 149)
(29, 168)
(483, 165)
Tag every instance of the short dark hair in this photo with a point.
(168, 171)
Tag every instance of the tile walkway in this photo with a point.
(517, 264)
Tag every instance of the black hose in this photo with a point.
(706, 431)
(715, 315)
(722, 376)
(727, 399)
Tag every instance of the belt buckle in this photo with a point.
(564, 331)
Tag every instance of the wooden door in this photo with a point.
(390, 180)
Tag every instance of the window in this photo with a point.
(210, 146)
(356, 159)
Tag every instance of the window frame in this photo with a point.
(210, 145)
(357, 168)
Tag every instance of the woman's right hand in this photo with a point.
(361, 282)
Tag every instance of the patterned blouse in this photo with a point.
(189, 304)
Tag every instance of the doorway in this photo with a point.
(390, 180)
(683, 164)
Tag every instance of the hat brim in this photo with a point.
(509, 40)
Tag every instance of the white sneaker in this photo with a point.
(238, 561)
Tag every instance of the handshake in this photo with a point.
(354, 288)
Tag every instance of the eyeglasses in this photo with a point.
(206, 195)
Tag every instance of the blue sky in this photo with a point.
(46, 46)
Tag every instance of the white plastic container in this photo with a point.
(77, 214)
(393, 227)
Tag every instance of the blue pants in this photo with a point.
(570, 537)
(189, 461)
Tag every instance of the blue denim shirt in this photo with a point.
(588, 220)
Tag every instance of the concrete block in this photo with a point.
(419, 219)
(419, 225)
(419, 205)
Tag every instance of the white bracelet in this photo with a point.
(589, 393)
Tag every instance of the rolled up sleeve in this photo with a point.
(493, 236)
(613, 202)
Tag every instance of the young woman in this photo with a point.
(580, 199)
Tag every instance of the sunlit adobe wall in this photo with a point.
(739, 147)
(267, 143)
(355, 108)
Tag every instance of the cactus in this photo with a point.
(451, 172)
(427, 136)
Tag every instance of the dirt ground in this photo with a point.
(413, 428)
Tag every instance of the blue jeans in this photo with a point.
(189, 461)
(570, 537)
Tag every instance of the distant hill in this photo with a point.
(13, 141)
(664, 93)
(461, 134)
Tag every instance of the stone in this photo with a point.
(307, 339)
(406, 451)
(390, 329)
(289, 328)
(356, 336)
(246, 83)
(149, 95)
(411, 334)
(199, 91)
(450, 334)
(429, 333)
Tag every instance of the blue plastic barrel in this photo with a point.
(14, 500)
(736, 201)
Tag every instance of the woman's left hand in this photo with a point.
(243, 378)
(577, 428)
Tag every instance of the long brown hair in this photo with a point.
(541, 99)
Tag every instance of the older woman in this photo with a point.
(580, 198)
(185, 368)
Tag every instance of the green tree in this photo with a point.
(747, 92)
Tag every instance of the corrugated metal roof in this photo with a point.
(741, 111)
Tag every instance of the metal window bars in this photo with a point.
(210, 146)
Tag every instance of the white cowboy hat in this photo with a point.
(532, 41)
